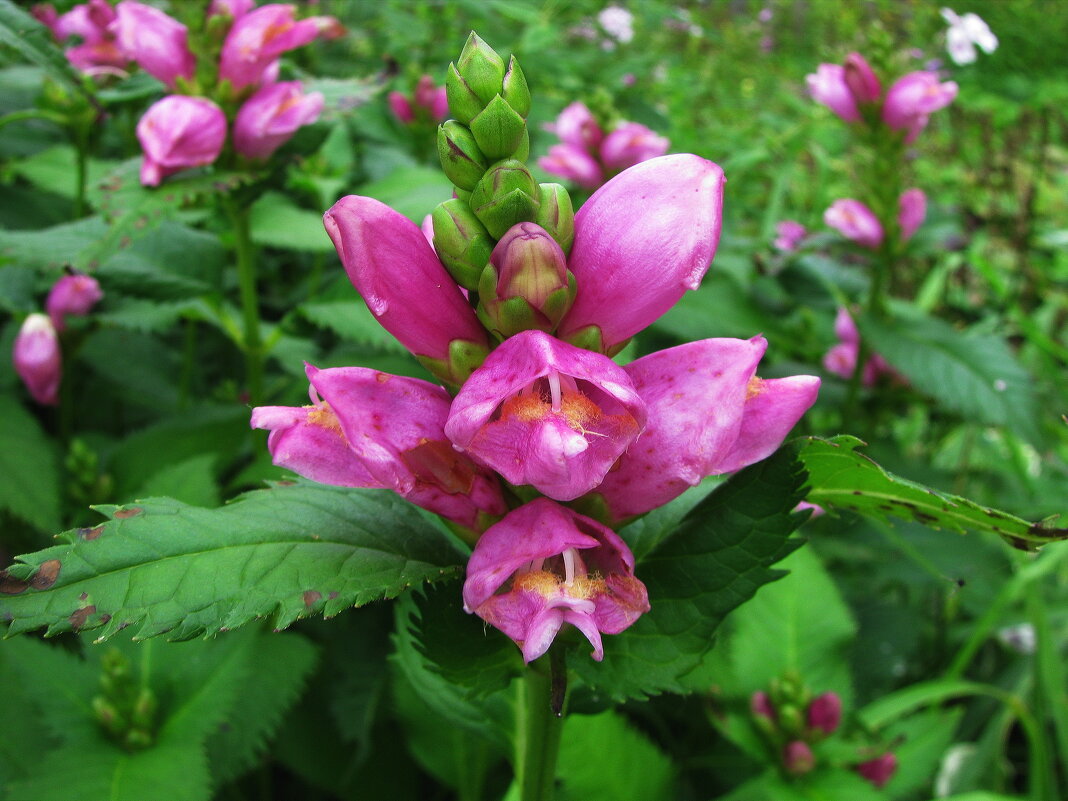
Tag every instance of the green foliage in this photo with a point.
(276, 221)
(30, 488)
(24, 35)
(281, 553)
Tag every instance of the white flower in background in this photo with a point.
(618, 23)
(965, 32)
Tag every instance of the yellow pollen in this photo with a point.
(754, 388)
(549, 585)
(324, 417)
(577, 410)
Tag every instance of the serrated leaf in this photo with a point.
(149, 316)
(52, 248)
(841, 478)
(140, 367)
(351, 320)
(282, 553)
(53, 170)
(413, 191)
(717, 558)
(34, 42)
(971, 373)
(275, 221)
(30, 488)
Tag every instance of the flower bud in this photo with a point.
(912, 209)
(879, 771)
(37, 359)
(401, 108)
(498, 129)
(556, 214)
(464, 104)
(462, 242)
(825, 713)
(790, 719)
(863, 84)
(461, 157)
(155, 40)
(481, 68)
(506, 195)
(527, 283)
(514, 89)
(797, 758)
(179, 132)
(269, 118)
(761, 707)
(73, 294)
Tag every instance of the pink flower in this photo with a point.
(911, 212)
(577, 127)
(574, 164)
(259, 37)
(827, 86)
(401, 107)
(797, 758)
(545, 565)
(760, 705)
(230, 8)
(825, 713)
(156, 41)
(630, 144)
(708, 413)
(879, 770)
(428, 102)
(789, 234)
(370, 429)
(855, 221)
(631, 268)
(548, 414)
(842, 358)
(863, 84)
(271, 116)
(179, 132)
(391, 264)
(37, 359)
(72, 294)
(913, 98)
(91, 23)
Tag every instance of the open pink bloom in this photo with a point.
(155, 40)
(912, 209)
(391, 264)
(548, 414)
(259, 37)
(708, 413)
(827, 86)
(853, 220)
(631, 143)
(545, 565)
(179, 132)
(789, 234)
(370, 429)
(842, 358)
(577, 127)
(37, 359)
(880, 770)
(72, 295)
(641, 241)
(913, 98)
(574, 164)
(271, 116)
(91, 23)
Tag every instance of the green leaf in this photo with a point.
(34, 42)
(52, 248)
(413, 191)
(971, 373)
(823, 785)
(190, 481)
(282, 553)
(603, 758)
(841, 478)
(351, 320)
(30, 489)
(275, 221)
(53, 170)
(721, 307)
(27, 735)
(716, 559)
(920, 742)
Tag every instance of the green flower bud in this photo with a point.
(556, 214)
(463, 103)
(144, 709)
(515, 91)
(506, 195)
(462, 242)
(522, 153)
(464, 358)
(497, 129)
(481, 68)
(461, 158)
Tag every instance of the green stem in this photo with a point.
(251, 344)
(81, 158)
(537, 739)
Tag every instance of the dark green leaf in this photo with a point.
(352, 320)
(34, 42)
(413, 191)
(276, 221)
(30, 487)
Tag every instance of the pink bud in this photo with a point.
(861, 80)
(789, 234)
(577, 127)
(400, 107)
(630, 144)
(912, 98)
(828, 87)
(912, 209)
(855, 221)
(432, 98)
(270, 117)
(797, 758)
(879, 770)
(37, 359)
(574, 164)
(72, 294)
(530, 265)
(761, 706)
(179, 132)
(46, 14)
(825, 713)
(156, 41)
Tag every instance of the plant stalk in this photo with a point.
(538, 732)
(252, 343)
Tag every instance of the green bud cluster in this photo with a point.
(125, 709)
(483, 151)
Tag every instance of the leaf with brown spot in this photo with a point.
(122, 514)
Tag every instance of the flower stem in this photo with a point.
(538, 731)
(252, 344)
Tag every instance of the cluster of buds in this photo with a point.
(125, 709)
(37, 354)
(841, 359)
(236, 81)
(855, 221)
(428, 103)
(589, 156)
(539, 445)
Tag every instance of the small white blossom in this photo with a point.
(618, 23)
(964, 34)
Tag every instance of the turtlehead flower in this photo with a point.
(797, 758)
(74, 295)
(545, 565)
(965, 33)
(91, 23)
(842, 358)
(577, 127)
(853, 220)
(827, 87)
(788, 235)
(912, 210)
(824, 713)
(880, 770)
(179, 132)
(707, 413)
(568, 161)
(428, 102)
(370, 429)
(861, 80)
(269, 118)
(230, 8)
(548, 414)
(37, 359)
(913, 98)
(631, 143)
(156, 41)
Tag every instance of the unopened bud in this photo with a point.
(137, 740)
(463, 359)
(556, 214)
(107, 715)
(760, 705)
(790, 719)
(825, 713)
(506, 195)
(879, 771)
(527, 284)
(461, 158)
(515, 90)
(144, 709)
(797, 758)
(462, 242)
(481, 68)
(464, 104)
(498, 129)
(863, 84)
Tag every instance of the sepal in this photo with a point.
(506, 195)
(462, 160)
